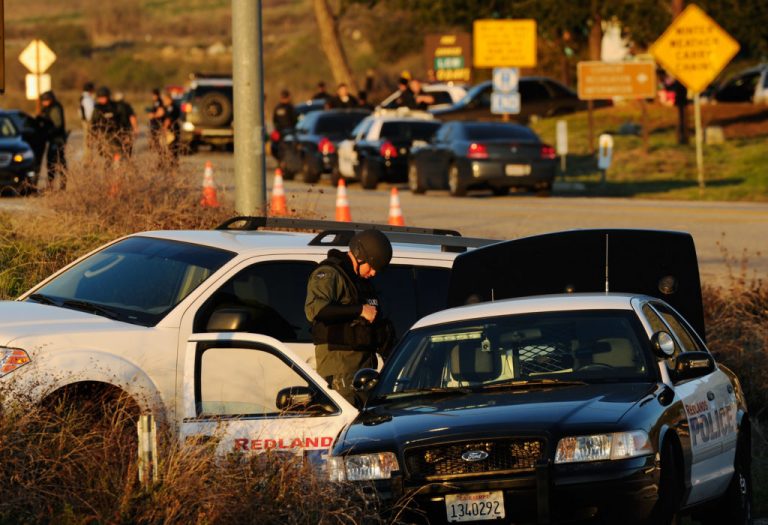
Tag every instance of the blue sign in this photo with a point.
(502, 103)
(505, 79)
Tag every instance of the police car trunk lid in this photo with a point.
(660, 264)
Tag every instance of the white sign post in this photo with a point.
(505, 99)
(562, 143)
(604, 155)
(37, 57)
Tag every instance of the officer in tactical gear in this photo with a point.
(51, 121)
(341, 304)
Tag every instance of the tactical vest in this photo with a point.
(357, 334)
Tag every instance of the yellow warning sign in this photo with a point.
(694, 49)
(504, 43)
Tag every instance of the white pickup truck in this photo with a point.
(206, 329)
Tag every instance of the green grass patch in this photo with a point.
(734, 171)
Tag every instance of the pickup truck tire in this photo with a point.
(90, 406)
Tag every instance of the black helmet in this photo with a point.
(372, 247)
(48, 95)
(103, 91)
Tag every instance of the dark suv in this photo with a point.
(206, 112)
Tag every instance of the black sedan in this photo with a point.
(539, 97)
(310, 150)
(497, 155)
(19, 165)
(557, 408)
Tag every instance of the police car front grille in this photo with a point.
(503, 456)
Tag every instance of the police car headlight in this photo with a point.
(362, 467)
(601, 447)
(11, 359)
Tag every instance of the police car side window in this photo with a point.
(687, 340)
(243, 382)
(272, 294)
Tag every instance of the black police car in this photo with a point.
(595, 401)
(310, 150)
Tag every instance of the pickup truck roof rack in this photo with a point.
(335, 233)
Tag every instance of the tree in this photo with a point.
(332, 46)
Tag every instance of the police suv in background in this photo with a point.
(573, 384)
(206, 329)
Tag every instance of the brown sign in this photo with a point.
(449, 56)
(603, 80)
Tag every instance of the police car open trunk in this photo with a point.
(660, 264)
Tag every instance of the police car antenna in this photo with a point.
(606, 264)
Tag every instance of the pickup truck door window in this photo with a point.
(232, 389)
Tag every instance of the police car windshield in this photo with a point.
(570, 347)
(137, 280)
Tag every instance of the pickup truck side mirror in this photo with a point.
(302, 399)
(365, 379)
(690, 365)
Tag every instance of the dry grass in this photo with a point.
(61, 466)
(103, 200)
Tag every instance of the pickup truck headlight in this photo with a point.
(21, 156)
(11, 359)
(601, 447)
(362, 467)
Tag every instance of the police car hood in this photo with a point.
(20, 319)
(548, 411)
(660, 264)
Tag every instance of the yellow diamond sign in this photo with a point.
(694, 49)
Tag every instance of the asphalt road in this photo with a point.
(725, 232)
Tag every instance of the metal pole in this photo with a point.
(699, 141)
(248, 82)
(644, 124)
(591, 126)
(37, 75)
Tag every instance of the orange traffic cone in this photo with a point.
(277, 205)
(209, 188)
(395, 213)
(343, 213)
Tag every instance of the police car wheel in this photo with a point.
(368, 179)
(454, 182)
(307, 174)
(335, 175)
(415, 182)
(670, 487)
(735, 506)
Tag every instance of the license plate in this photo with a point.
(474, 506)
(517, 170)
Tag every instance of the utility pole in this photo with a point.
(248, 91)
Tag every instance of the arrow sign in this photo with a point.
(37, 57)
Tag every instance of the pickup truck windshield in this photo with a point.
(137, 280)
(542, 349)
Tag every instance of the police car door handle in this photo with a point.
(711, 396)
